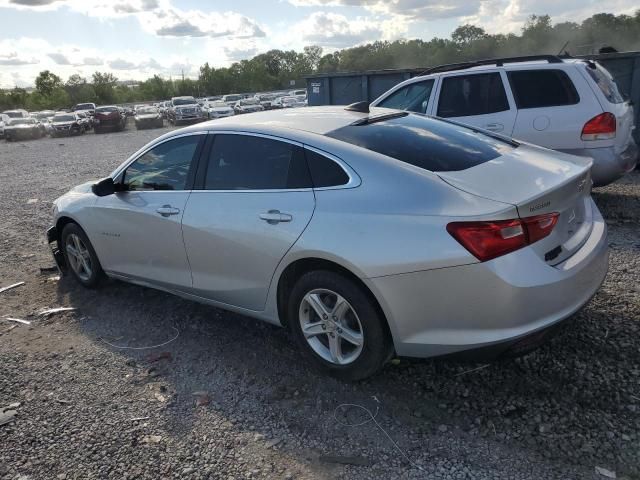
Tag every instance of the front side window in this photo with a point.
(413, 97)
(542, 88)
(245, 162)
(164, 167)
(468, 95)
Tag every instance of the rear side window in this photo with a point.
(413, 97)
(468, 95)
(245, 162)
(605, 83)
(542, 88)
(324, 171)
(425, 142)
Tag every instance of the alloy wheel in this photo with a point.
(79, 257)
(331, 326)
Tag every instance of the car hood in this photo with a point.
(147, 116)
(19, 127)
(62, 124)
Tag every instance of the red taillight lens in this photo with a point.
(600, 127)
(488, 240)
(539, 226)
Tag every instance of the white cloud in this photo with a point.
(329, 29)
(159, 17)
(414, 9)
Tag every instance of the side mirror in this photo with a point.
(104, 187)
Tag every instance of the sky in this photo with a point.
(135, 39)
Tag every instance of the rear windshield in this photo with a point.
(425, 142)
(605, 83)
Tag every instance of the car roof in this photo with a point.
(318, 120)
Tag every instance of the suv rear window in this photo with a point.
(605, 83)
(467, 95)
(542, 88)
(425, 142)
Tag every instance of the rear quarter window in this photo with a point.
(605, 83)
(425, 142)
(542, 88)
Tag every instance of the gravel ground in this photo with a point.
(230, 398)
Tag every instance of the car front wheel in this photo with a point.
(80, 256)
(338, 326)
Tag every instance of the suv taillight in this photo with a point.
(600, 127)
(488, 240)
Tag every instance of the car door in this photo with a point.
(477, 99)
(139, 234)
(255, 201)
(414, 97)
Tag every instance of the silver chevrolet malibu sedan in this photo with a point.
(367, 233)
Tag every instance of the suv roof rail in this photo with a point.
(499, 62)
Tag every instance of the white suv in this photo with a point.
(569, 105)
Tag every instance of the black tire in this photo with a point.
(97, 274)
(377, 347)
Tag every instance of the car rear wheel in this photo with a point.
(80, 256)
(337, 325)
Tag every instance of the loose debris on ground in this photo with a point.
(231, 397)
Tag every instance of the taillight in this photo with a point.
(600, 127)
(488, 240)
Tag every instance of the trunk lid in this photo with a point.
(537, 181)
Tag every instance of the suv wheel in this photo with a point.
(337, 326)
(80, 256)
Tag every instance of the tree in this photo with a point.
(466, 34)
(103, 84)
(46, 82)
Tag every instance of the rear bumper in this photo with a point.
(491, 304)
(608, 166)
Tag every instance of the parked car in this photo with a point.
(85, 119)
(67, 124)
(248, 105)
(44, 117)
(23, 129)
(4, 120)
(218, 109)
(109, 117)
(232, 99)
(18, 113)
(85, 107)
(569, 105)
(148, 117)
(298, 93)
(366, 233)
(266, 100)
(184, 110)
(287, 102)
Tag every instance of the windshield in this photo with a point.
(22, 121)
(425, 142)
(232, 98)
(13, 114)
(146, 110)
(42, 115)
(64, 118)
(218, 105)
(184, 101)
(249, 101)
(84, 106)
(106, 109)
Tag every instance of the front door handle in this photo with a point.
(167, 210)
(275, 216)
(494, 127)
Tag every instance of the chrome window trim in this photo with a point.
(354, 179)
(118, 171)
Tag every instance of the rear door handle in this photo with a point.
(275, 216)
(167, 210)
(494, 127)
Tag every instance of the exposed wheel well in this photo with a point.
(295, 270)
(60, 224)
